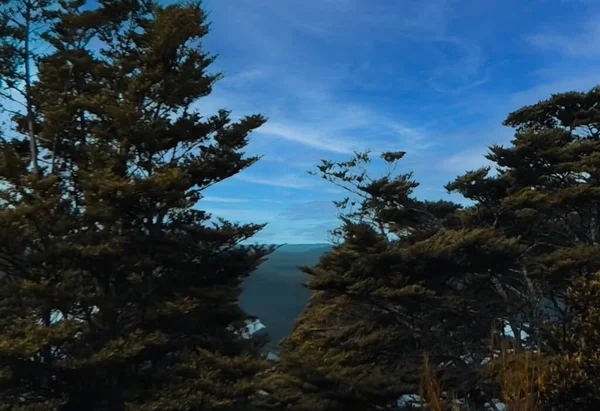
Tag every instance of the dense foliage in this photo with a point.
(129, 300)
(574, 375)
(413, 278)
(405, 280)
(117, 292)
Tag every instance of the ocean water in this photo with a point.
(275, 292)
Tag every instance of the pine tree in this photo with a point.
(21, 22)
(545, 194)
(573, 377)
(129, 300)
(406, 281)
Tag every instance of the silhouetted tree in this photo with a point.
(573, 377)
(545, 194)
(21, 23)
(411, 277)
(130, 297)
(405, 281)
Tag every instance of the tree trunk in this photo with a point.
(32, 140)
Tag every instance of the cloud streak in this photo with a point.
(584, 44)
(289, 181)
(216, 199)
(310, 210)
(433, 78)
(463, 161)
(308, 139)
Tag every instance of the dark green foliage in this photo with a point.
(573, 378)
(130, 297)
(21, 22)
(412, 276)
(405, 280)
(545, 194)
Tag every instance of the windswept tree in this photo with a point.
(129, 300)
(412, 277)
(545, 193)
(406, 281)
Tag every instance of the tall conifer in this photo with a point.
(130, 299)
(406, 281)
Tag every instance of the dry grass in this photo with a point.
(430, 389)
(519, 374)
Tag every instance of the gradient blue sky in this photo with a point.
(434, 78)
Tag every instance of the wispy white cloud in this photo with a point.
(244, 78)
(465, 160)
(306, 100)
(328, 19)
(309, 113)
(584, 44)
(309, 139)
(471, 142)
(459, 69)
(291, 160)
(309, 210)
(216, 199)
(343, 128)
(242, 215)
(577, 81)
(434, 78)
(288, 181)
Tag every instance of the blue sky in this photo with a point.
(434, 78)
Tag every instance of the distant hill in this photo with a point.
(275, 292)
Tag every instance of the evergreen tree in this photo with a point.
(544, 193)
(573, 377)
(508, 257)
(406, 281)
(20, 24)
(129, 300)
